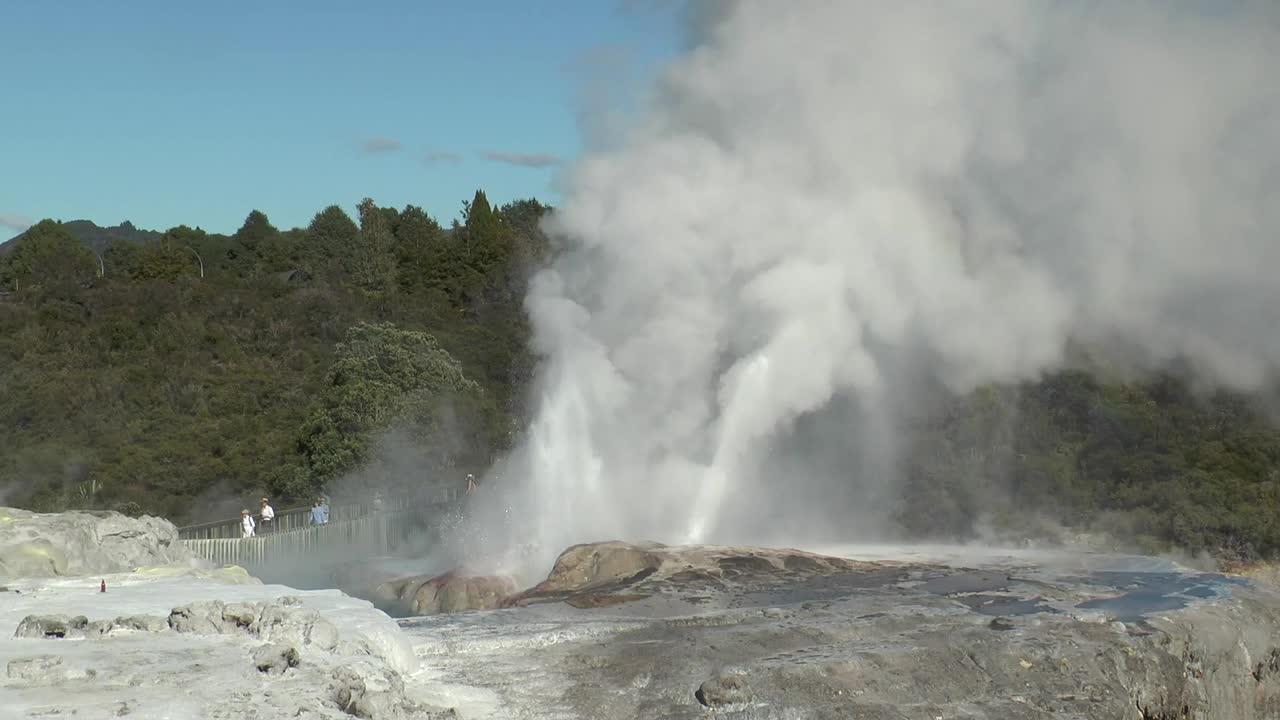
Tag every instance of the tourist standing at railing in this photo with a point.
(268, 516)
(246, 524)
(319, 513)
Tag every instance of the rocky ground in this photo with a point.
(618, 630)
(623, 631)
(182, 641)
(240, 651)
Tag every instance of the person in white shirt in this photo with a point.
(268, 516)
(246, 524)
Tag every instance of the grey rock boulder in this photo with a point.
(241, 615)
(58, 627)
(276, 658)
(297, 626)
(198, 618)
(34, 557)
(371, 692)
(603, 574)
(724, 689)
(52, 627)
(595, 566)
(84, 543)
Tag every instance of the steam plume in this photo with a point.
(831, 202)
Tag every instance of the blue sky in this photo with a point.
(165, 112)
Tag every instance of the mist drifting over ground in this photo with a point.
(830, 206)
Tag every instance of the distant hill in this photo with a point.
(95, 236)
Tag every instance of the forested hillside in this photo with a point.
(182, 373)
(1150, 463)
(153, 389)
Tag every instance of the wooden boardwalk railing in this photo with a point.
(377, 532)
(299, 518)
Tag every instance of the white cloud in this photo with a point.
(437, 157)
(531, 160)
(16, 223)
(380, 144)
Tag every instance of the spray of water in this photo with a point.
(832, 204)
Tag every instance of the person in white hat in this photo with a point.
(246, 524)
(268, 515)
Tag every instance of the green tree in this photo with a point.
(373, 265)
(485, 233)
(382, 376)
(188, 241)
(530, 246)
(421, 248)
(122, 259)
(330, 235)
(256, 233)
(48, 255)
(165, 261)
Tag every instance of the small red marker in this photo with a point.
(103, 588)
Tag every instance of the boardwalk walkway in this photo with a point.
(350, 526)
(376, 533)
(300, 517)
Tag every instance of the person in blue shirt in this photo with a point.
(319, 513)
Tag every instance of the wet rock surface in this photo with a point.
(738, 634)
(78, 543)
(610, 573)
(449, 592)
(606, 574)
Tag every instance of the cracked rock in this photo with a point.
(370, 692)
(41, 668)
(198, 618)
(282, 623)
(241, 615)
(275, 658)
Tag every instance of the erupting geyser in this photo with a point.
(829, 205)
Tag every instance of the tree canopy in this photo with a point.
(48, 255)
(383, 377)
